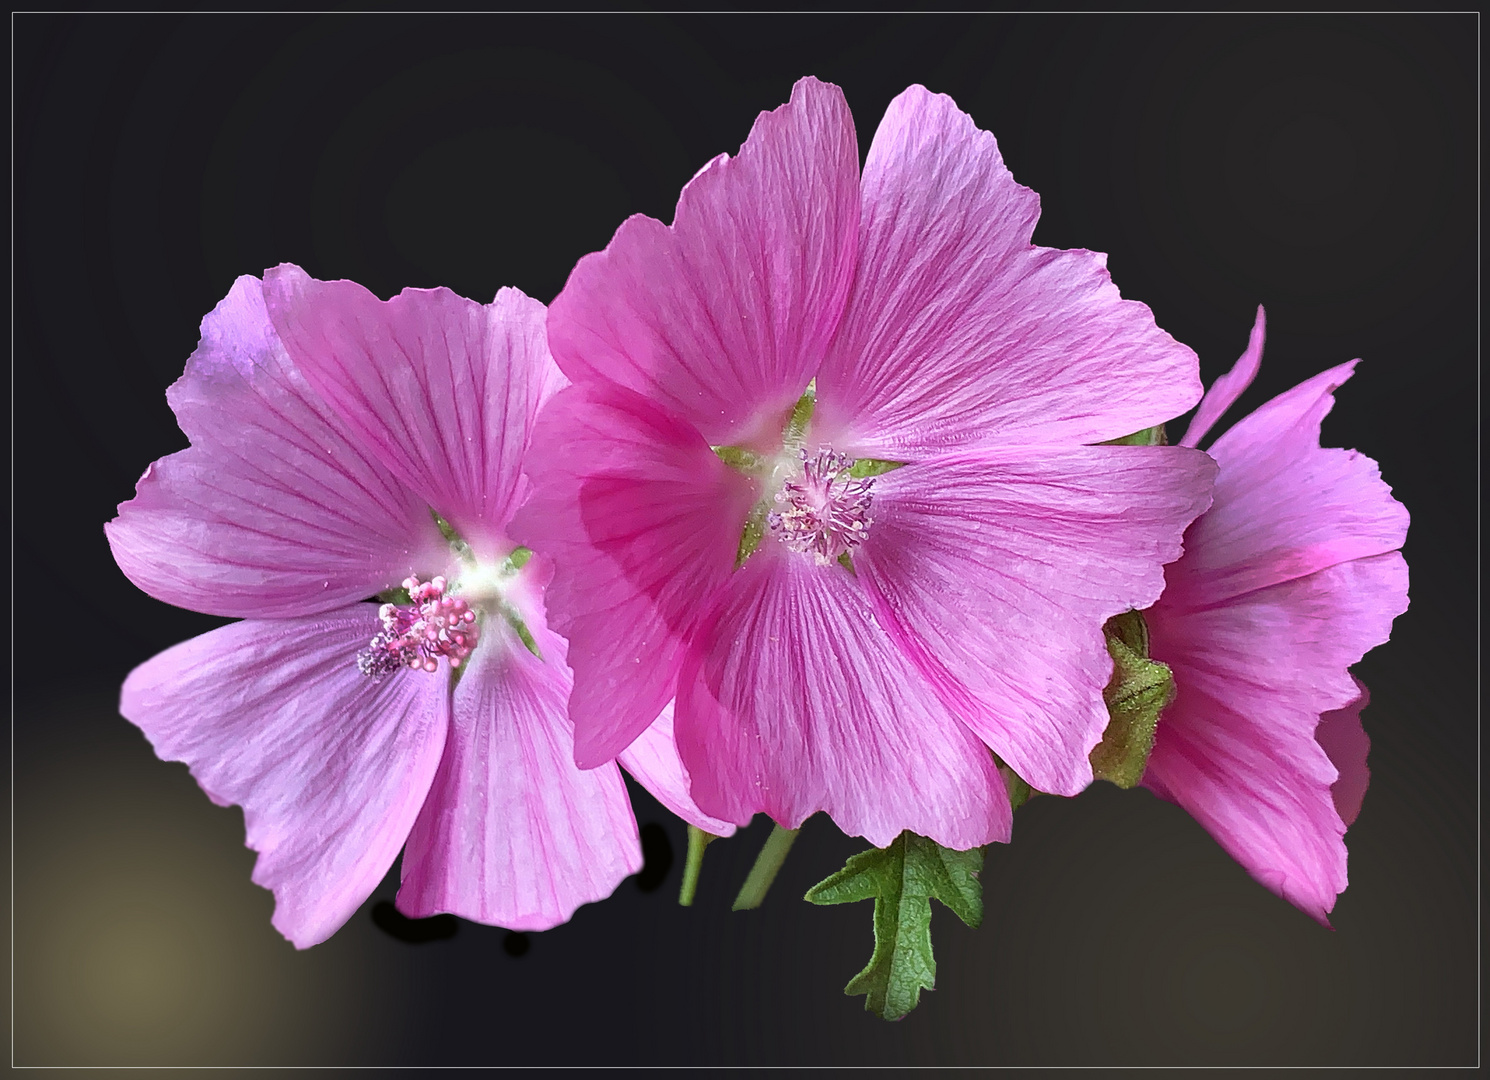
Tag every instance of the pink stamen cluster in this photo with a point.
(825, 511)
(416, 637)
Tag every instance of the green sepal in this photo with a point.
(796, 422)
(868, 466)
(751, 534)
(741, 460)
(1019, 788)
(1149, 436)
(453, 538)
(846, 561)
(517, 560)
(902, 879)
(515, 620)
(1136, 694)
(396, 595)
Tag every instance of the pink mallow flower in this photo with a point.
(892, 625)
(1289, 579)
(327, 429)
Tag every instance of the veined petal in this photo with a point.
(329, 766)
(512, 833)
(274, 510)
(1238, 747)
(723, 316)
(795, 700)
(643, 522)
(1284, 506)
(1225, 390)
(654, 763)
(440, 389)
(1342, 736)
(996, 569)
(959, 333)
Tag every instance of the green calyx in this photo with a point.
(1136, 694)
(1153, 436)
(902, 879)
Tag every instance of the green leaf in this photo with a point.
(902, 879)
(1136, 694)
(1153, 436)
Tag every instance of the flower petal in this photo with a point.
(273, 510)
(1284, 507)
(959, 333)
(512, 833)
(723, 316)
(996, 569)
(643, 522)
(442, 390)
(1344, 739)
(1238, 747)
(1225, 390)
(329, 766)
(654, 763)
(794, 700)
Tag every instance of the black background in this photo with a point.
(1322, 166)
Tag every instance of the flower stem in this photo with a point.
(697, 841)
(767, 863)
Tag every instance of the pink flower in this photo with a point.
(1291, 577)
(888, 627)
(327, 429)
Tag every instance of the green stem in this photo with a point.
(697, 841)
(767, 863)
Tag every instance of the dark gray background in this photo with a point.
(1323, 166)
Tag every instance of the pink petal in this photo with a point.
(1284, 507)
(723, 316)
(654, 763)
(441, 389)
(1341, 735)
(329, 766)
(1225, 390)
(513, 834)
(1238, 747)
(273, 510)
(995, 571)
(795, 701)
(643, 522)
(959, 333)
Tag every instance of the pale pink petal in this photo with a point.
(512, 833)
(995, 570)
(795, 701)
(1225, 390)
(723, 316)
(441, 389)
(273, 510)
(1261, 796)
(1284, 507)
(643, 522)
(654, 763)
(959, 332)
(1238, 747)
(329, 766)
(1344, 739)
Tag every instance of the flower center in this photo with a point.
(822, 510)
(416, 635)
